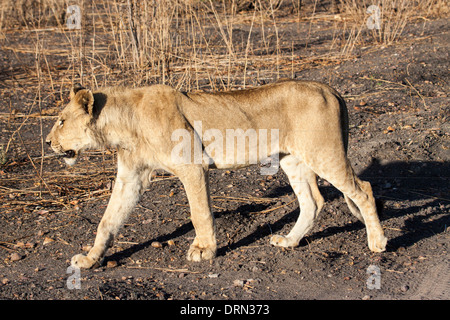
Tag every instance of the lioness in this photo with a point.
(310, 120)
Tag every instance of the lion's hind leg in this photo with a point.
(358, 195)
(304, 183)
(353, 208)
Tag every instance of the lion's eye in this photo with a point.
(61, 123)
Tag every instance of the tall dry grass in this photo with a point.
(193, 44)
(383, 20)
(185, 43)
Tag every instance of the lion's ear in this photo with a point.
(77, 87)
(85, 98)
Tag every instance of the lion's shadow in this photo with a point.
(398, 181)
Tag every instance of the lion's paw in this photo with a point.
(85, 262)
(377, 243)
(197, 254)
(282, 241)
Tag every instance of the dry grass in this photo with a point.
(392, 17)
(192, 44)
(189, 44)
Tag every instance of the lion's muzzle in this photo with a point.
(69, 154)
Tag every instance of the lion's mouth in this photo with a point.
(68, 154)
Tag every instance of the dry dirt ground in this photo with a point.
(398, 102)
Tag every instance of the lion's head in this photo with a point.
(71, 133)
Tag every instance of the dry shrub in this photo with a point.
(192, 44)
(32, 13)
(384, 20)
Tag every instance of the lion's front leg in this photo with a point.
(125, 194)
(195, 181)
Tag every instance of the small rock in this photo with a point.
(388, 130)
(404, 288)
(171, 243)
(147, 221)
(401, 250)
(47, 240)
(238, 283)
(29, 245)
(111, 264)
(156, 244)
(15, 256)
(366, 297)
(19, 244)
(213, 275)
